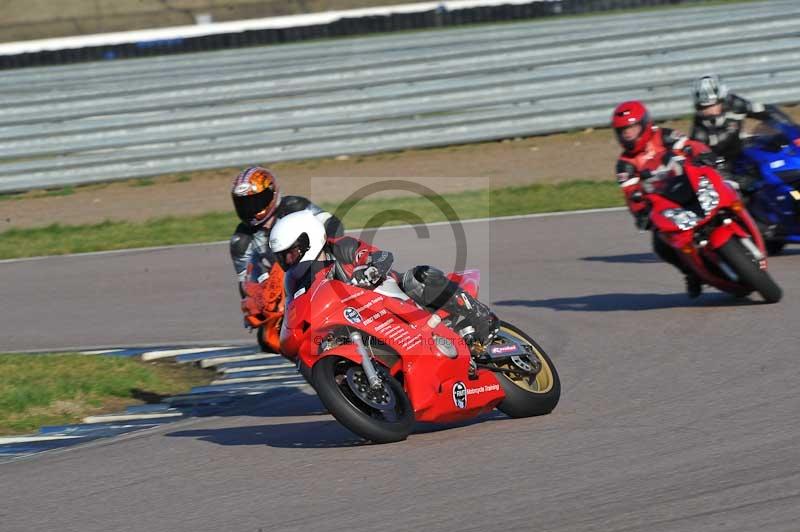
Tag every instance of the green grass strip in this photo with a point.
(59, 239)
(37, 390)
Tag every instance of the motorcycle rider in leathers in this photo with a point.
(649, 150)
(258, 204)
(299, 239)
(718, 120)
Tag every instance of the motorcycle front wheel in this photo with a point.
(748, 270)
(527, 396)
(382, 415)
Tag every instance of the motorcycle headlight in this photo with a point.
(707, 195)
(682, 218)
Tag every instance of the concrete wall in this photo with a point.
(37, 19)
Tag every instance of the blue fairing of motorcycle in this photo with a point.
(775, 203)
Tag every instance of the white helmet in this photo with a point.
(708, 90)
(297, 237)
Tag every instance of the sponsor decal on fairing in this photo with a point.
(352, 315)
(503, 349)
(461, 392)
(483, 389)
(707, 195)
(460, 395)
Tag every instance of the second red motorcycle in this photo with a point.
(702, 217)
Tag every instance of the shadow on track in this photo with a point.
(630, 258)
(621, 301)
(787, 252)
(321, 433)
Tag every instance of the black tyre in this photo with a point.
(305, 372)
(382, 416)
(526, 397)
(749, 272)
(261, 343)
(775, 247)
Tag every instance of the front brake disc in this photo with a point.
(382, 398)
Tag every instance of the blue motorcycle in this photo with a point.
(775, 201)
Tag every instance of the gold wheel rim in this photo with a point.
(544, 380)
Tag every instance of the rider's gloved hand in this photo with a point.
(366, 276)
(705, 159)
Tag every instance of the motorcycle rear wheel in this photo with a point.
(262, 342)
(775, 247)
(749, 272)
(526, 397)
(341, 386)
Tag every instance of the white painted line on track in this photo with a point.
(351, 231)
(294, 385)
(112, 252)
(129, 417)
(495, 219)
(216, 361)
(101, 352)
(255, 379)
(34, 439)
(155, 355)
(256, 368)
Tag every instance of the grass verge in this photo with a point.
(58, 239)
(37, 390)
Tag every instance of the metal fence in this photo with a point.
(137, 118)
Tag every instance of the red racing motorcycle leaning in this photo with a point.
(700, 216)
(379, 362)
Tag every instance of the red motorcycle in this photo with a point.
(700, 216)
(379, 362)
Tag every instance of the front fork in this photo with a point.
(375, 381)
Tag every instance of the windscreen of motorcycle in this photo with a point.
(679, 190)
(301, 276)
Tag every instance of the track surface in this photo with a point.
(676, 415)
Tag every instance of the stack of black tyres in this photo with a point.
(340, 28)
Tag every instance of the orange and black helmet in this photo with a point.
(255, 195)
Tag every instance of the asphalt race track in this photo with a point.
(676, 415)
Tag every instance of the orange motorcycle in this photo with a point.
(263, 308)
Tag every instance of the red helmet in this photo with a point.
(628, 114)
(255, 195)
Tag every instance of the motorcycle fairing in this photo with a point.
(710, 228)
(403, 326)
(776, 158)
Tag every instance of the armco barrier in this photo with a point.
(95, 122)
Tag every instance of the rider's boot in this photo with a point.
(431, 288)
(478, 323)
(694, 286)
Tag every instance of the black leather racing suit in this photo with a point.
(723, 134)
